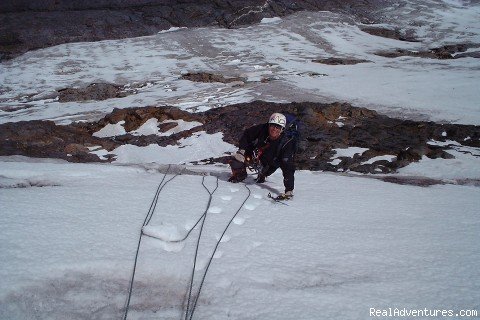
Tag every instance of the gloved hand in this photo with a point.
(240, 155)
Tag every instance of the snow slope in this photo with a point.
(334, 252)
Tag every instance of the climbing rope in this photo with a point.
(204, 216)
(190, 308)
(214, 251)
(148, 217)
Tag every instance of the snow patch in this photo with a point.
(349, 152)
(388, 158)
(271, 20)
(197, 147)
(111, 130)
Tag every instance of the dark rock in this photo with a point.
(94, 91)
(339, 61)
(168, 126)
(44, 139)
(209, 77)
(391, 34)
(409, 141)
(416, 181)
(28, 25)
(445, 52)
(474, 54)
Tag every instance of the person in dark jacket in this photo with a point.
(267, 144)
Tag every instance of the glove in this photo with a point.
(240, 155)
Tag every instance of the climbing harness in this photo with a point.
(253, 163)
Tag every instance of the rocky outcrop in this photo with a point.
(94, 91)
(210, 77)
(324, 127)
(339, 61)
(27, 25)
(45, 139)
(395, 34)
(445, 52)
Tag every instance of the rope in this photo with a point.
(215, 249)
(198, 242)
(148, 217)
(190, 308)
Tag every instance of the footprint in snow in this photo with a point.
(201, 264)
(253, 246)
(257, 196)
(169, 246)
(257, 244)
(215, 210)
(251, 206)
(234, 189)
(218, 255)
(239, 221)
(225, 238)
(189, 225)
(226, 198)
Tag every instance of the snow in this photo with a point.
(66, 255)
(151, 126)
(344, 244)
(199, 146)
(111, 130)
(388, 158)
(348, 152)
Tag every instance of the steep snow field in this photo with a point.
(343, 245)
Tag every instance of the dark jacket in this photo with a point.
(276, 154)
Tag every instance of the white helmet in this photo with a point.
(278, 119)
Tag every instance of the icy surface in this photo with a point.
(280, 50)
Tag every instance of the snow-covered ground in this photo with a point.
(343, 245)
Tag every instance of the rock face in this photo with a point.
(94, 91)
(26, 25)
(445, 52)
(209, 77)
(324, 127)
(339, 61)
